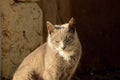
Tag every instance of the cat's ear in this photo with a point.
(50, 27)
(72, 24)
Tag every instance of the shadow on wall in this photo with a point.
(99, 30)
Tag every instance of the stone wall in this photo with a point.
(22, 26)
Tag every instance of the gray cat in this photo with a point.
(57, 59)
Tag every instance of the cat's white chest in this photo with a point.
(66, 55)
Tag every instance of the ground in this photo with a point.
(98, 75)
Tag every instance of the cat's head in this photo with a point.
(62, 37)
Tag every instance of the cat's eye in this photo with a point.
(68, 40)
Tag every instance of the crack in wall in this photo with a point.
(24, 35)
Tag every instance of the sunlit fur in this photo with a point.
(62, 38)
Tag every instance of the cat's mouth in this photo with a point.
(63, 49)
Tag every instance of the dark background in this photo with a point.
(98, 26)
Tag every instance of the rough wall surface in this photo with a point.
(22, 26)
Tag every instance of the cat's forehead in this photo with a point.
(64, 26)
(60, 32)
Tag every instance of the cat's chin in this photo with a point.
(66, 54)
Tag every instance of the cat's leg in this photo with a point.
(24, 73)
(27, 76)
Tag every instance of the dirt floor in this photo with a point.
(98, 75)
